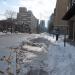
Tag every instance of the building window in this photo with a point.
(72, 2)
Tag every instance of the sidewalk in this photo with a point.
(71, 42)
(61, 59)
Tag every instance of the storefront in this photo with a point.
(70, 17)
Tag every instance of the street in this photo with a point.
(57, 59)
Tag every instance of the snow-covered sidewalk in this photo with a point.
(61, 60)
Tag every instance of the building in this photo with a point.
(42, 25)
(34, 22)
(7, 25)
(26, 21)
(70, 18)
(60, 10)
(51, 23)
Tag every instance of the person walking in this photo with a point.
(57, 34)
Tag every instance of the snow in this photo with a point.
(61, 59)
(33, 54)
(2, 33)
(32, 48)
(42, 51)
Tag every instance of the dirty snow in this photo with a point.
(41, 54)
(33, 55)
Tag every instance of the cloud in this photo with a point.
(42, 9)
(3, 2)
(2, 17)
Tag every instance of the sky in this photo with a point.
(42, 9)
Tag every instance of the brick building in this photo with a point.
(60, 10)
(70, 18)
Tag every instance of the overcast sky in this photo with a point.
(42, 9)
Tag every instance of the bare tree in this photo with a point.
(10, 16)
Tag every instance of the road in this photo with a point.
(7, 41)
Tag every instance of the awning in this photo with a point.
(70, 13)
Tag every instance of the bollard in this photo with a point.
(65, 40)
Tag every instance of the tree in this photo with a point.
(10, 16)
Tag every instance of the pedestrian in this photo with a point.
(57, 35)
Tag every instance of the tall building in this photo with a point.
(26, 20)
(70, 18)
(42, 25)
(61, 8)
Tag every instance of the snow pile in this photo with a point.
(32, 56)
(2, 33)
(41, 54)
